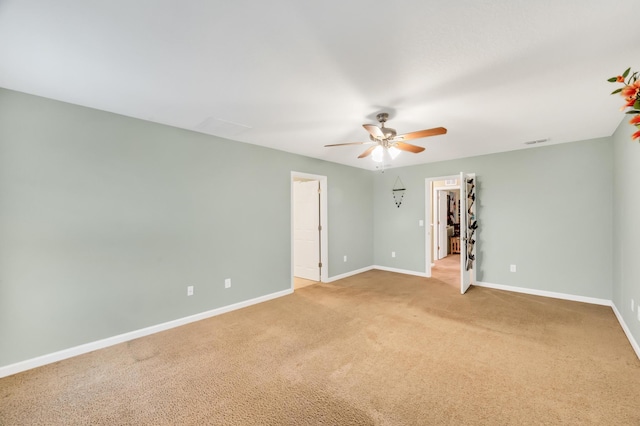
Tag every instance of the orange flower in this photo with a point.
(631, 91)
(630, 103)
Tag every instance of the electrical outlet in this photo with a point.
(190, 290)
(393, 254)
(512, 268)
(421, 222)
(633, 305)
(345, 258)
(227, 283)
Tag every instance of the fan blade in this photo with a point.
(349, 143)
(374, 131)
(408, 147)
(420, 134)
(367, 152)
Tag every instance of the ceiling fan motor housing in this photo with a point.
(387, 131)
(382, 117)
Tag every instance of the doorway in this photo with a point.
(459, 238)
(308, 229)
(445, 221)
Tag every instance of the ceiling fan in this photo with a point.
(387, 138)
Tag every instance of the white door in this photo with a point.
(468, 227)
(442, 225)
(306, 233)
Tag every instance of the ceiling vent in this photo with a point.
(537, 141)
(220, 127)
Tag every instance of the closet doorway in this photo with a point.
(308, 229)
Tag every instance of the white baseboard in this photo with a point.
(552, 294)
(18, 367)
(381, 268)
(400, 271)
(626, 330)
(368, 268)
(347, 274)
(591, 300)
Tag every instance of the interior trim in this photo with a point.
(348, 274)
(552, 294)
(401, 271)
(114, 340)
(574, 298)
(21, 366)
(626, 330)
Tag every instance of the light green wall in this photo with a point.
(626, 226)
(547, 210)
(105, 220)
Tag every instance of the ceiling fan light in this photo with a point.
(393, 152)
(377, 154)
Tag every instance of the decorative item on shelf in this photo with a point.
(472, 223)
(631, 94)
(398, 192)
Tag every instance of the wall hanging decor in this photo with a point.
(398, 192)
(472, 224)
(631, 94)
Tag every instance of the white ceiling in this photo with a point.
(296, 75)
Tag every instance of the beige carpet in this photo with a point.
(302, 282)
(375, 349)
(447, 270)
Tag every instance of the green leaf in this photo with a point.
(616, 91)
(626, 73)
(636, 105)
(612, 79)
(633, 111)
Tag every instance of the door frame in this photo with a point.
(436, 213)
(428, 208)
(324, 232)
